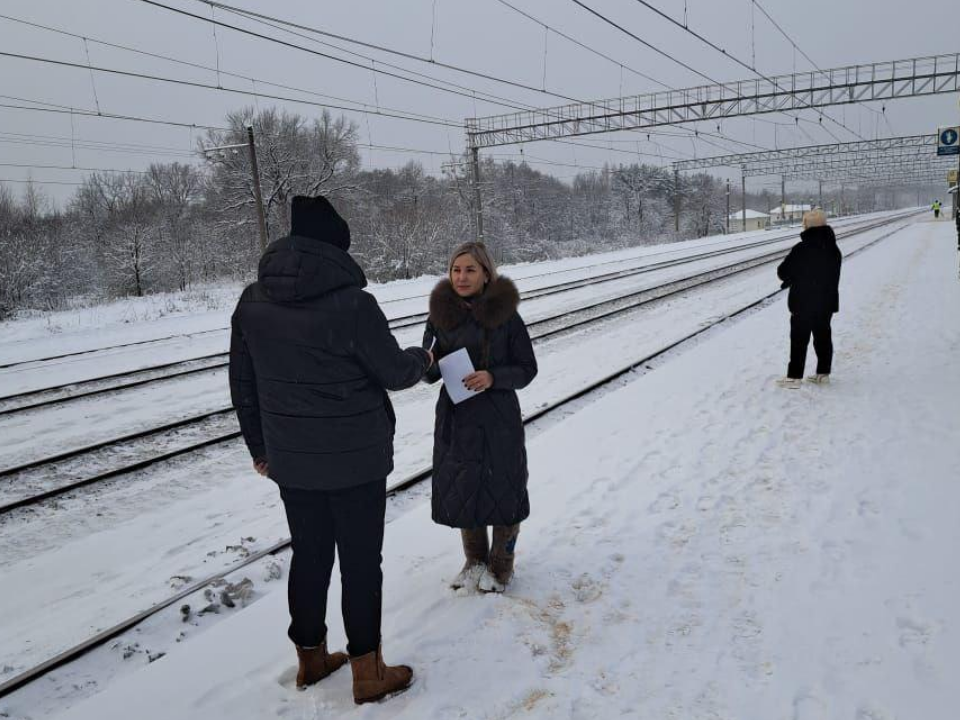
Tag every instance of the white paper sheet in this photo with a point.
(454, 368)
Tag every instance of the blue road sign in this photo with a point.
(949, 141)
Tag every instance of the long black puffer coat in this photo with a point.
(479, 452)
(812, 272)
(311, 359)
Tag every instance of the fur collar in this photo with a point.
(491, 310)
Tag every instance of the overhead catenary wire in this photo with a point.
(796, 47)
(751, 67)
(653, 47)
(273, 22)
(432, 83)
(119, 116)
(175, 123)
(29, 166)
(237, 91)
(199, 66)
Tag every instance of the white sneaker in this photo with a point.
(789, 383)
(820, 379)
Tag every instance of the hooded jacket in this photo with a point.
(311, 358)
(812, 272)
(479, 453)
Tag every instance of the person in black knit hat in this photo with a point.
(311, 360)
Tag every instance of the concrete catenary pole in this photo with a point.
(477, 198)
(743, 193)
(255, 170)
(728, 206)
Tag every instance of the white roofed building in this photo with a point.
(755, 221)
(789, 213)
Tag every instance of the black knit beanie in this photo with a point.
(315, 217)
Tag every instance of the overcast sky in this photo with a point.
(481, 35)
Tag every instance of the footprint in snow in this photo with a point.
(808, 706)
(872, 712)
(913, 633)
(666, 501)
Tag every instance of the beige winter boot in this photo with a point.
(316, 663)
(500, 565)
(476, 549)
(372, 680)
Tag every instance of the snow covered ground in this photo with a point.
(702, 544)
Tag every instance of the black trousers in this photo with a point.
(352, 520)
(801, 327)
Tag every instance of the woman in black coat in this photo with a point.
(479, 453)
(812, 272)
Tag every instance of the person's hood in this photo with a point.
(492, 309)
(822, 236)
(296, 268)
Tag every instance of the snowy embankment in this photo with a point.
(702, 544)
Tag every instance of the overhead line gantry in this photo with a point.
(882, 81)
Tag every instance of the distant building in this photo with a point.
(755, 221)
(788, 214)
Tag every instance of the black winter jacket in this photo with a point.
(311, 358)
(479, 452)
(812, 272)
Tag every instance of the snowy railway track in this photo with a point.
(120, 346)
(48, 478)
(115, 382)
(554, 408)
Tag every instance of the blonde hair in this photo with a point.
(814, 218)
(478, 251)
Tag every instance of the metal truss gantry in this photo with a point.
(885, 177)
(910, 145)
(875, 164)
(800, 91)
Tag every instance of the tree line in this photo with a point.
(178, 225)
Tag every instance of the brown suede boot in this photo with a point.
(372, 680)
(499, 570)
(316, 663)
(476, 548)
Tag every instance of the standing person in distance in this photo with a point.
(479, 452)
(812, 272)
(311, 359)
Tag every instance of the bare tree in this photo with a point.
(296, 157)
(176, 190)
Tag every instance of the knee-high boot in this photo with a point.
(476, 549)
(500, 564)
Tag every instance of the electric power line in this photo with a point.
(268, 20)
(722, 51)
(218, 88)
(199, 66)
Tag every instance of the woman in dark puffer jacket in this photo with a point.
(479, 453)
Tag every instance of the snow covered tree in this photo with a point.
(296, 156)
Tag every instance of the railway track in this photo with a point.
(120, 346)
(115, 382)
(401, 486)
(47, 478)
